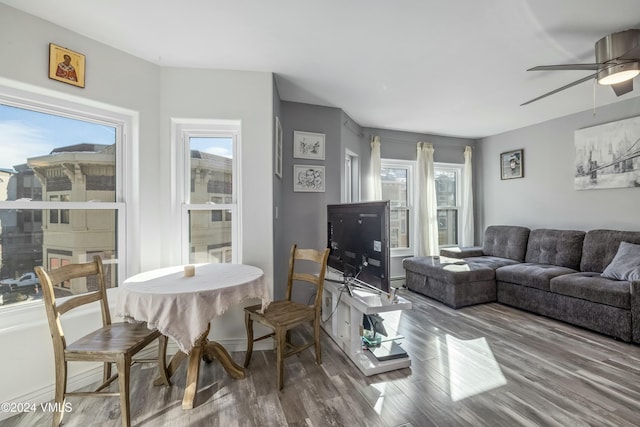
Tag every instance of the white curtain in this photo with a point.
(376, 166)
(467, 238)
(426, 203)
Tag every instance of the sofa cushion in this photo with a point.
(454, 271)
(593, 287)
(626, 263)
(601, 246)
(505, 241)
(448, 270)
(557, 247)
(532, 275)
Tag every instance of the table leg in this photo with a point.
(193, 370)
(215, 350)
(176, 360)
(207, 351)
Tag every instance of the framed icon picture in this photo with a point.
(66, 65)
(512, 164)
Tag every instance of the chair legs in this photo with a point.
(124, 367)
(249, 325)
(281, 339)
(61, 389)
(316, 339)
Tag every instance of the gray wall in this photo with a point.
(303, 216)
(545, 197)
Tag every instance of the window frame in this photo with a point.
(410, 165)
(458, 168)
(123, 120)
(183, 130)
(411, 177)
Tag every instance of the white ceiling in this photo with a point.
(448, 67)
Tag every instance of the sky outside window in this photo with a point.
(26, 133)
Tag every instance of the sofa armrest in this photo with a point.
(635, 311)
(465, 252)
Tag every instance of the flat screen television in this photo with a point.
(358, 239)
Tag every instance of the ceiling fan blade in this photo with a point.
(584, 79)
(566, 67)
(622, 88)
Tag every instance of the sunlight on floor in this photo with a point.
(381, 387)
(472, 368)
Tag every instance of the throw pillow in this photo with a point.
(626, 264)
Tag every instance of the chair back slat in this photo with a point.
(306, 277)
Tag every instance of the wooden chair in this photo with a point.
(112, 343)
(282, 316)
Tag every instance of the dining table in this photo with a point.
(181, 301)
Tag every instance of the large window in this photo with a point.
(397, 180)
(397, 186)
(60, 194)
(448, 191)
(210, 200)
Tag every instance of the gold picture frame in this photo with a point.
(66, 65)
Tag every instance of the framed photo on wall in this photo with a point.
(66, 65)
(308, 178)
(308, 145)
(512, 164)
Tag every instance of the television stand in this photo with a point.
(342, 315)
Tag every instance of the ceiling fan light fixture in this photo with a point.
(618, 73)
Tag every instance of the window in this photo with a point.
(351, 178)
(448, 191)
(397, 179)
(61, 199)
(397, 183)
(210, 212)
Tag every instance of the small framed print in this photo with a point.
(308, 145)
(66, 65)
(308, 178)
(278, 149)
(512, 164)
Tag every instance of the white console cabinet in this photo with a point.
(342, 319)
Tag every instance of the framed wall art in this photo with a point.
(512, 164)
(308, 178)
(278, 149)
(608, 155)
(308, 145)
(66, 65)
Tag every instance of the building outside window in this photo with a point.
(60, 200)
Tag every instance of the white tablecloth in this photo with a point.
(181, 307)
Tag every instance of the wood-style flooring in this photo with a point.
(486, 365)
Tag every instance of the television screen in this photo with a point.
(358, 239)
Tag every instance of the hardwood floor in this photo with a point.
(486, 365)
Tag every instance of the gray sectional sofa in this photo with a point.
(555, 273)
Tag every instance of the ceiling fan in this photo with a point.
(617, 63)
